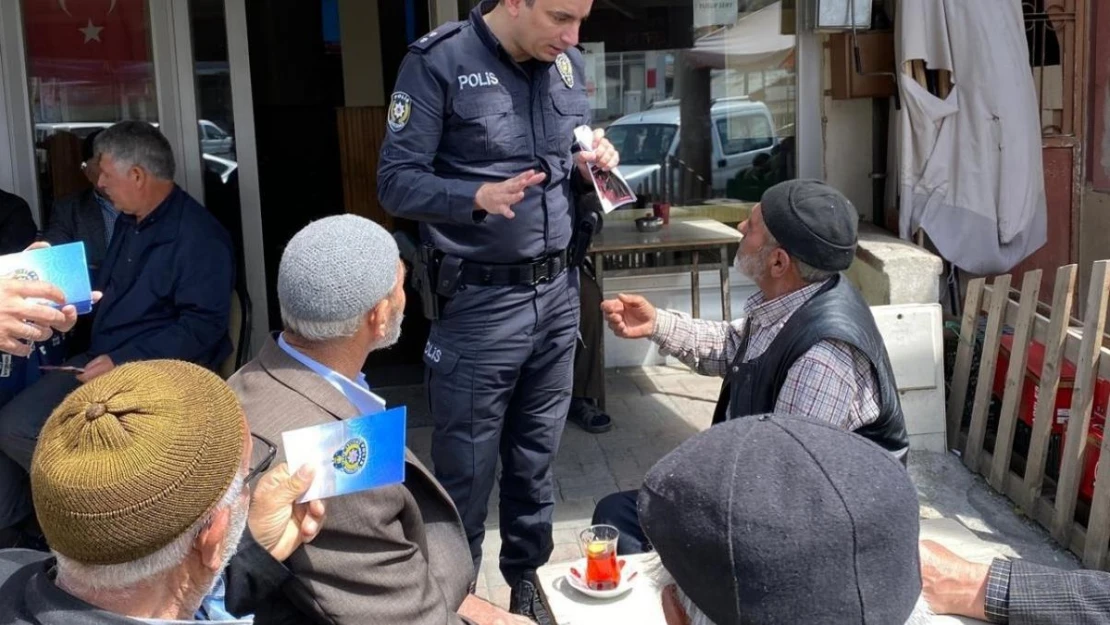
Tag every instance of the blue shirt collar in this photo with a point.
(356, 391)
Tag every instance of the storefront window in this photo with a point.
(698, 95)
(89, 66)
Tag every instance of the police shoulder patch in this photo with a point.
(440, 34)
(566, 69)
(400, 110)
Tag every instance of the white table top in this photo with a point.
(642, 605)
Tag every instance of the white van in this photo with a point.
(742, 130)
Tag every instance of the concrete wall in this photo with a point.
(846, 130)
(1094, 243)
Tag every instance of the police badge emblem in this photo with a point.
(351, 457)
(400, 109)
(23, 274)
(562, 63)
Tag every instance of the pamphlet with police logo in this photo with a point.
(612, 188)
(64, 266)
(352, 455)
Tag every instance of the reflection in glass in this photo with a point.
(89, 65)
(700, 101)
(216, 124)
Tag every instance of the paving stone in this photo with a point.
(500, 597)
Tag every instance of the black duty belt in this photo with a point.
(535, 272)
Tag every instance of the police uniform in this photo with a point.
(499, 359)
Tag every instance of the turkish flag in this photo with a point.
(86, 39)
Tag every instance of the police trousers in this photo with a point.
(499, 367)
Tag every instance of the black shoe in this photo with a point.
(585, 413)
(525, 600)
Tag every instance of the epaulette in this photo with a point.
(438, 35)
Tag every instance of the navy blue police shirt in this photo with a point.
(463, 114)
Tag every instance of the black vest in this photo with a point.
(836, 312)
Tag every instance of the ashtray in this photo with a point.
(649, 224)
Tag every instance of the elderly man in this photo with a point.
(807, 344)
(766, 520)
(24, 320)
(166, 282)
(146, 535)
(396, 554)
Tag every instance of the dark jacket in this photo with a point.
(167, 284)
(836, 312)
(464, 114)
(17, 227)
(29, 595)
(78, 217)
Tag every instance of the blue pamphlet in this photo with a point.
(351, 455)
(64, 266)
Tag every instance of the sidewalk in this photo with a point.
(656, 408)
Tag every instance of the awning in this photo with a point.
(754, 43)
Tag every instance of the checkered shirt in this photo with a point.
(833, 381)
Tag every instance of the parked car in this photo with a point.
(215, 141)
(742, 130)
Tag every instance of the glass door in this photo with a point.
(70, 68)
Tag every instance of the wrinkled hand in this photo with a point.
(97, 367)
(629, 316)
(951, 584)
(604, 155)
(276, 521)
(498, 198)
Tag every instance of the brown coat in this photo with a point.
(396, 554)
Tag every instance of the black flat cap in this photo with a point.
(813, 222)
(774, 519)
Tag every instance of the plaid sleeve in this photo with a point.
(821, 384)
(998, 591)
(707, 347)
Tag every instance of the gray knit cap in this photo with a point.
(337, 268)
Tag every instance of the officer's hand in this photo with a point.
(629, 316)
(604, 155)
(498, 198)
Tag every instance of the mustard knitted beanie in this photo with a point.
(131, 460)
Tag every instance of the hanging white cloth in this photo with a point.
(971, 172)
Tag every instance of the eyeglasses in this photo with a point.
(261, 467)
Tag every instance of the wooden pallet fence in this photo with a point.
(1051, 504)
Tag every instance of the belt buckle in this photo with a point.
(541, 271)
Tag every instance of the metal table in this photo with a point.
(693, 235)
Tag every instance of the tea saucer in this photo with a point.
(627, 581)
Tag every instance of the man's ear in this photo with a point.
(211, 538)
(780, 263)
(379, 319)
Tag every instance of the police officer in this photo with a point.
(479, 151)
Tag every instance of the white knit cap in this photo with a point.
(337, 268)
